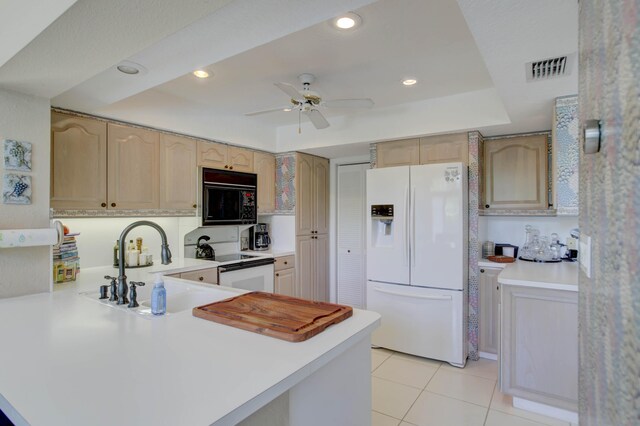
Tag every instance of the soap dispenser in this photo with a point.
(158, 297)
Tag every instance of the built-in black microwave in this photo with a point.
(228, 198)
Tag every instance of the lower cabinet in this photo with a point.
(207, 276)
(489, 318)
(539, 345)
(312, 252)
(284, 280)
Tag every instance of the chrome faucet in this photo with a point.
(165, 254)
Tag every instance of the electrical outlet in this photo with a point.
(572, 243)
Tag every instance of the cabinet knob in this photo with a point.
(348, 251)
(103, 205)
(497, 287)
(201, 278)
(486, 206)
(113, 204)
(277, 275)
(195, 205)
(230, 167)
(226, 166)
(482, 270)
(285, 262)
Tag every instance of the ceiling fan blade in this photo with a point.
(267, 111)
(348, 103)
(317, 119)
(291, 91)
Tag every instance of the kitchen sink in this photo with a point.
(180, 297)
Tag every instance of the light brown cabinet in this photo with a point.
(207, 276)
(133, 167)
(539, 345)
(177, 172)
(451, 148)
(516, 173)
(284, 276)
(78, 162)
(312, 252)
(398, 153)
(265, 168)
(489, 319)
(220, 156)
(312, 195)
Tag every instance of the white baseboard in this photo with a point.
(546, 410)
(487, 355)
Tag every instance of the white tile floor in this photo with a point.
(408, 390)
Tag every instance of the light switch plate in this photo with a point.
(572, 243)
(585, 254)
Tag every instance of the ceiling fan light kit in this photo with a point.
(307, 102)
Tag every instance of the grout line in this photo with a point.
(411, 406)
(384, 414)
(486, 416)
(458, 399)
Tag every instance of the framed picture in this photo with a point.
(17, 155)
(16, 189)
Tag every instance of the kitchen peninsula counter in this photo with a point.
(71, 360)
(555, 276)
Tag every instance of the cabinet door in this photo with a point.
(78, 162)
(134, 158)
(516, 173)
(178, 172)
(304, 194)
(398, 153)
(321, 256)
(207, 276)
(488, 320)
(539, 347)
(320, 195)
(305, 259)
(265, 168)
(212, 155)
(452, 148)
(240, 160)
(284, 282)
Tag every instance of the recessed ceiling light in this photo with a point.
(287, 109)
(131, 68)
(409, 81)
(201, 73)
(347, 21)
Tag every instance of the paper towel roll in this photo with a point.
(28, 237)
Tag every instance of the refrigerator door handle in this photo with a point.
(413, 296)
(413, 227)
(405, 246)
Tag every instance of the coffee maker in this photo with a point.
(259, 237)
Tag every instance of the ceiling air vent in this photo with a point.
(549, 68)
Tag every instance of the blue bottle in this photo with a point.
(158, 297)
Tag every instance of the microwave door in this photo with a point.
(222, 205)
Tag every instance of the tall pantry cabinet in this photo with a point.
(312, 227)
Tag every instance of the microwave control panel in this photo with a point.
(249, 206)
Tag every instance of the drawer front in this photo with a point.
(209, 276)
(284, 262)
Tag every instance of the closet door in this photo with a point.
(351, 204)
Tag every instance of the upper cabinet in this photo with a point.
(515, 173)
(450, 148)
(78, 162)
(178, 174)
(398, 153)
(134, 159)
(265, 168)
(219, 156)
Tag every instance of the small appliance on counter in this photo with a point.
(204, 251)
(259, 237)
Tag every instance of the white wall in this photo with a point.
(504, 229)
(26, 270)
(282, 231)
(98, 235)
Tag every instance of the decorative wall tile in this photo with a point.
(609, 299)
(475, 145)
(567, 155)
(17, 155)
(373, 155)
(16, 189)
(285, 183)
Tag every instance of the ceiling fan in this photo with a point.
(307, 101)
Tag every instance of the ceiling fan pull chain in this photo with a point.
(299, 129)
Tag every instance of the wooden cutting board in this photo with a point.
(275, 315)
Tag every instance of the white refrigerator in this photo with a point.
(417, 265)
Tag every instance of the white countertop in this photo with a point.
(558, 276)
(71, 360)
(484, 263)
(271, 252)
